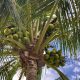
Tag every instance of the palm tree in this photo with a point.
(26, 35)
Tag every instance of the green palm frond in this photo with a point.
(64, 77)
(58, 78)
(68, 19)
(45, 27)
(4, 13)
(16, 43)
(39, 74)
(8, 67)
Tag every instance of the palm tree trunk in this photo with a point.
(31, 64)
(31, 71)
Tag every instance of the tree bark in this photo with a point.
(31, 64)
(31, 71)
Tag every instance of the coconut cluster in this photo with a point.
(55, 58)
(14, 33)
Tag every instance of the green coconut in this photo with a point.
(15, 36)
(7, 31)
(10, 36)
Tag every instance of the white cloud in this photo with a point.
(78, 63)
(68, 66)
(73, 77)
(76, 69)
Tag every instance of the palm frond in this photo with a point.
(45, 28)
(8, 67)
(3, 12)
(16, 43)
(61, 74)
(68, 19)
(64, 77)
